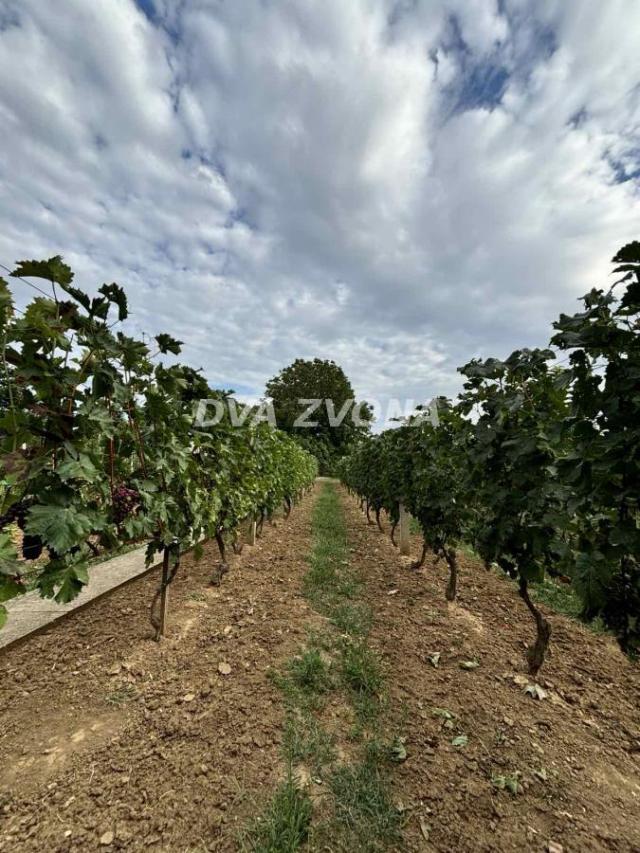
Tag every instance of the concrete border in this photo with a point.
(30, 614)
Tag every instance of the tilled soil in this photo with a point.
(577, 751)
(111, 741)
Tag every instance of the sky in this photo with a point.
(398, 185)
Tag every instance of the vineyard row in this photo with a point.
(535, 465)
(100, 449)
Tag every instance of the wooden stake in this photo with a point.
(252, 533)
(164, 595)
(404, 540)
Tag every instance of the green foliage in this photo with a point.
(506, 782)
(99, 445)
(54, 270)
(329, 580)
(352, 618)
(602, 464)
(325, 381)
(538, 467)
(327, 454)
(423, 466)
(305, 741)
(518, 500)
(559, 597)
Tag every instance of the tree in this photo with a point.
(298, 387)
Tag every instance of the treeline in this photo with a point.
(536, 465)
(100, 448)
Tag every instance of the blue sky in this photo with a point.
(399, 186)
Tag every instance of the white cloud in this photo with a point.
(396, 185)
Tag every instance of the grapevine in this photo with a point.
(100, 448)
(536, 466)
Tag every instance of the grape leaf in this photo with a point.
(116, 294)
(168, 344)
(59, 527)
(53, 270)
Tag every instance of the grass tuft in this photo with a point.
(306, 742)
(284, 827)
(363, 809)
(309, 672)
(352, 618)
(361, 668)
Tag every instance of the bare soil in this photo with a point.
(577, 751)
(111, 741)
(103, 731)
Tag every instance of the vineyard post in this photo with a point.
(252, 532)
(405, 544)
(164, 595)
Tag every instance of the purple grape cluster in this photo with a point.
(15, 513)
(125, 501)
(31, 547)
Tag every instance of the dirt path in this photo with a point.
(577, 752)
(109, 736)
(110, 741)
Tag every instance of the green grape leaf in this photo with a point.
(116, 294)
(168, 344)
(73, 579)
(60, 527)
(81, 468)
(53, 269)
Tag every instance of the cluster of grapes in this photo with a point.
(17, 514)
(31, 547)
(125, 501)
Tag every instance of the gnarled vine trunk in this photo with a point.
(393, 532)
(535, 655)
(223, 567)
(418, 564)
(452, 561)
(378, 522)
(236, 543)
(161, 596)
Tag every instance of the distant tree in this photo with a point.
(326, 381)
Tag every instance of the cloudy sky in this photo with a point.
(399, 185)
